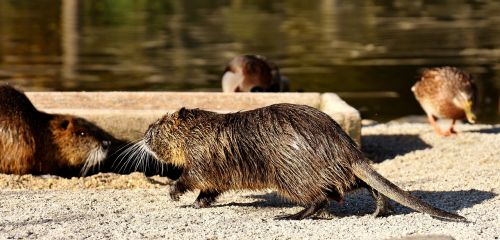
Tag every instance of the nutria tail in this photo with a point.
(366, 173)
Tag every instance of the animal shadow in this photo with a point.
(452, 201)
(493, 130)
(32, 222)
(379, 148)
(268, 200)
(360, 203)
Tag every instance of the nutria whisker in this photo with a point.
(121, 151)
(94, 159)
(144, 152)
(122, 148)
(138, 153)
(126, 156)
(141, 154)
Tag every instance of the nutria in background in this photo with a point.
(297, 150)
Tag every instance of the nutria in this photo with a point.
(253, 73)
(446, 92)
(35, 142)
(297, 150)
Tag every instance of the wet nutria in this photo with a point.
(297, 150)
(253, 73)
(34, 142)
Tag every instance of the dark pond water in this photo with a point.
(370, 52)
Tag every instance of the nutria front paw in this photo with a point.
(383, 208)
(176, 190)
(206, 198)
(202, 203)
(174, 194)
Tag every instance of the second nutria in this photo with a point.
(297, 150)
(253, 73)
(35, 142)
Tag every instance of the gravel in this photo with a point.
(459, 174)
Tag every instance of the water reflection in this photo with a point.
(369, 51)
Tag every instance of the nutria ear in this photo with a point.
(183, 113)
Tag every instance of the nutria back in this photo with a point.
(273, 147)
(17, 131)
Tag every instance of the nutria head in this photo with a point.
(164, 139)
(140, 156)
(79, 145)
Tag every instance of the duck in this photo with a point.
(253, 73)
(446, 93)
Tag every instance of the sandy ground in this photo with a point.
(459, 174)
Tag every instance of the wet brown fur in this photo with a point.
(34, 142)
(297, 150)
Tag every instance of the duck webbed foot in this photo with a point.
(450, 131)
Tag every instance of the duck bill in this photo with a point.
(469, 114)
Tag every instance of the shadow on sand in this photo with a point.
(379, 148)
(360, 202)
(493, 130)
(41, 221)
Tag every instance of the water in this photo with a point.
(370, 52)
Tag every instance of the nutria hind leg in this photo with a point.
(382, 206)
(177, 189)
(205, 198)
(334, 195)
(309, 211)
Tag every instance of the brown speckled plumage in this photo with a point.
(253, 73)
(444, 92)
